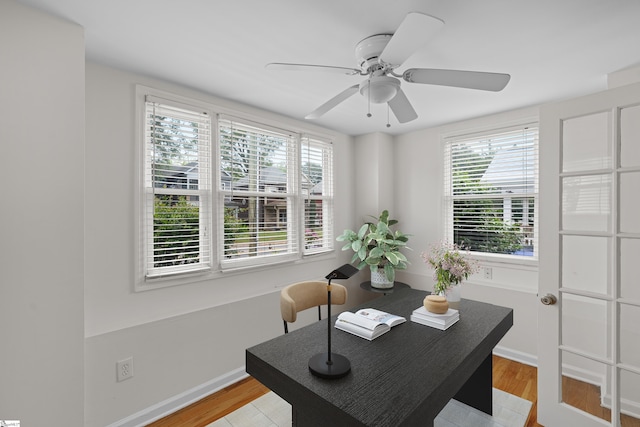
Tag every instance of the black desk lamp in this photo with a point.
(332, 365)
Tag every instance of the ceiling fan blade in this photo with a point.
(466, 79)
(415, 31)
(310, 67)
(333, 102)
(402, 108)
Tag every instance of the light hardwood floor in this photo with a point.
(214, 406)
(513, 377)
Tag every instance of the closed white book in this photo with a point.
(438, 325)
(422, 312)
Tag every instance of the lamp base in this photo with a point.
(339, 367)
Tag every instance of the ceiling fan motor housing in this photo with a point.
(368, 51)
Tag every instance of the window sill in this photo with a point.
(507, 261)
(148, 284)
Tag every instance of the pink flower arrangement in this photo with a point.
(450, 265)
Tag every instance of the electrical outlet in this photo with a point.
(488, 273)
(124, 369)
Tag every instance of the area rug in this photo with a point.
(272, 411)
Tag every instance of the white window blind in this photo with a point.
(259, 190)
(317, 190)
(177, 201)
(491, 191)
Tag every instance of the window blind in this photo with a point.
(177, 189)
(317, 190)
(258, 186)
(491, 191)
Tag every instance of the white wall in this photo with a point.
(183, 336)
(418, 190)
(41, 217)
(374, 169)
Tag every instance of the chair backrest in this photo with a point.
(303, 295)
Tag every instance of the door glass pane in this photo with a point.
(586, 203)
(630, 202)
(585, 143)
(583, 384)
(630, 335)
(584, 324)
(630, 136)
(629, 399)
(579, 252)
(629, 277)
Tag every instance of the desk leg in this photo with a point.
(477, 392)
(302, 418)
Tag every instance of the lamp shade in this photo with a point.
(343, 272)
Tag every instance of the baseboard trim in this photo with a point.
(175, 403)
(584, 375)
(627, 407)
(518, 356)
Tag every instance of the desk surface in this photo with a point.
(402, 377)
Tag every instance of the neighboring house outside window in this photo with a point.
(491, 191)
(222, 192)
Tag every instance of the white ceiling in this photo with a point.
(553, 49)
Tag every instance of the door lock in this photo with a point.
(549, 299)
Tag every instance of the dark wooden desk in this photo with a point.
(402, 378)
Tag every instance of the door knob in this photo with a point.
(549, 299)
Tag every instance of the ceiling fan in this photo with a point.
(379, 55)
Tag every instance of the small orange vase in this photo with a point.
(436, 304)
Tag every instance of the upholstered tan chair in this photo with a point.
(303, 295)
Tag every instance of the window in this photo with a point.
(491, 191)
(259, 168)
(177, 200)
(222, 192)
(317, 190)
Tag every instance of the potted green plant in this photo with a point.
(378, 246)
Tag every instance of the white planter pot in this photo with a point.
(453, 296)
(379, 279)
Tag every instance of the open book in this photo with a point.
(367, 323)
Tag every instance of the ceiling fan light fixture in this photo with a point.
(380, 89)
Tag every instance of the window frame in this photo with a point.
(449, 198)
(141, 281)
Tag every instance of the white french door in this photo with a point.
(589, 268)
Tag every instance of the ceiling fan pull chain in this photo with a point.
(369, 98)
(388, 124)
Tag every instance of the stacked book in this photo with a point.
(439, 321)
